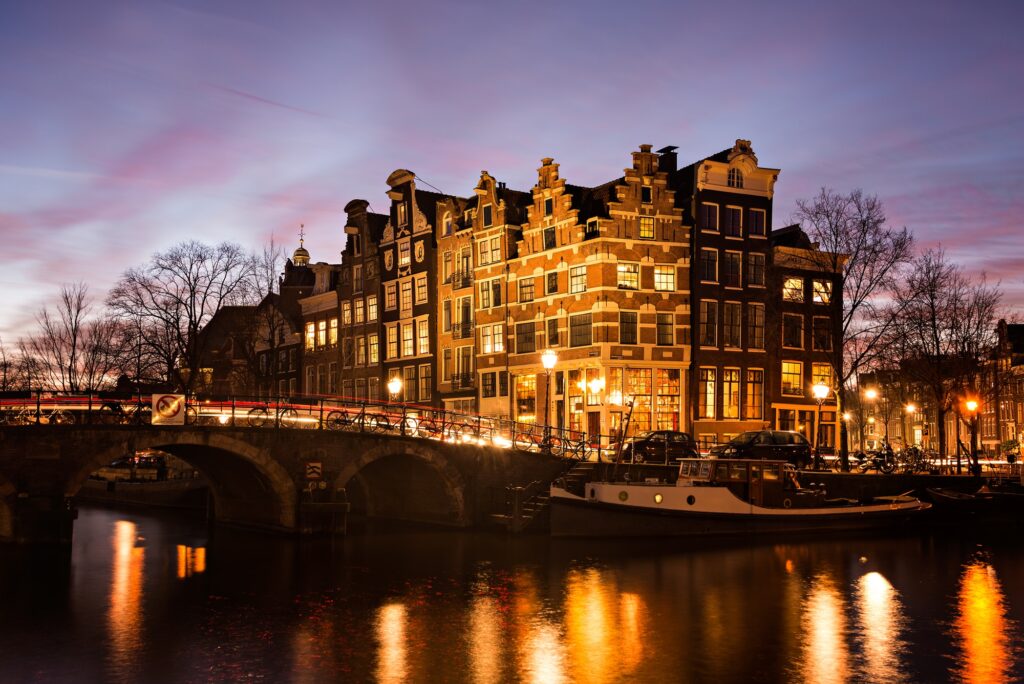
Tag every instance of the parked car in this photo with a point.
(659, 446)
(779, 445)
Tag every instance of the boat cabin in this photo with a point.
(772, 484)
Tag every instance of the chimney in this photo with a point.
(667, 161)
(501, 185)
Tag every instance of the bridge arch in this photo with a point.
(247, 484)
(405, 479)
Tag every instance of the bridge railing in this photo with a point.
(302, 413)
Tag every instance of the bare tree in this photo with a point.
(853, 240)
(946, 327)
(74, 350)
(172, 298)
(9, 377)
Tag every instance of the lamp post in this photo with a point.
(910, 409)
(972, 411)
(548, 359)
(820, 391)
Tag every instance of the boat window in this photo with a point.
(705, 469)
(737, 471)
(722, 472)
(771, 472)
(755, 472)
(684, 468)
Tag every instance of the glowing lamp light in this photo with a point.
(820, 391)
(972, 405)
(596, 385)
(223, 419)
(846, 415)
(395, 386)
(871, 420)
(911, 408)
(549, 358)
(871, 394)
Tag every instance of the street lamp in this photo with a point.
(394, 387)
(908, 432)
(548, 359)
(820, 392)
(972, 409)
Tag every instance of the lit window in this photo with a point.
(360, 312)
(793, 290)
(753, 408)
(526, 290)
(374, 350)
(821, 374)
(360, 351)
(706, 393)
(403, 216)
(403, 253)
(346, 313)
(393, 342)
(406, 296)
(792, 378)
(628, 276)
(408, 348)
(577, 279)
(421, 288)
(822, 292)
(646, 228)
(332, 336)
(731, 393)
(664, 329)
(310, 336)
(424, 336)
(665, 278)
(371, 308)
(321, 334)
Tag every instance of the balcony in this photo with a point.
(462, 381)
(461, 279)
(462, 330)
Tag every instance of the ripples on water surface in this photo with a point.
(155, 599)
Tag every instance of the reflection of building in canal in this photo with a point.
(191, 560)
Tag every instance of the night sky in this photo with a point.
(126, 127)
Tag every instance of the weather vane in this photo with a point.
(302, 234)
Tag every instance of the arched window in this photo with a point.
(447, 224)
(735, 178)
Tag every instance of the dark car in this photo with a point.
(778, 445)
(659, 446)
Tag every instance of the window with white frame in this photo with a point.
(708, 217)
(733, 225)
(822, 292)
(628, 276)
(735, 178)
(665, 278)
(423, 336)
(577, 279)
(408, 340)
(421, 288)
(757, 222)
(390, 296)
(793, 289)
(406, 289)
(646, 228)
(346, 313)
(359, 310)
(755, 269)
(371, 308)
(404, 258)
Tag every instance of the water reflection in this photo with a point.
(540, 653)
(485, 642)
(982, 627)
(124, 615)
(191, 561)
(392, 656)
(825, 657)
(880, 627)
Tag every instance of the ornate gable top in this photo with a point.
(742, 147)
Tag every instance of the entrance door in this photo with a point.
(593, 426)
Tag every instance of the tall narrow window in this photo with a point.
(732, 265)
(708, 327)
(731, 393)
(821, 333)
(310, 336)
(755, 326)
(526, 289)
(577, 279)
(408, 347)
(731, 324)
(374, 348)
(424, 336)
(549, 206)
(792, 378)
(406, 289)
(733, 222)
(709, 265)
(553, 340)
(446, 315)
(549, 237)
(645, 194)
(706, 394)
(552, 283)
(755, 269)
(757, 222)
(664, 323)
(404, 258)
(708, 217)
(488, 215)
(627, 327)
(753, 407)
(793, 331)
(393, 342)
(526, 340)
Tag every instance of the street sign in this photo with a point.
(168, 409)
(314, 470)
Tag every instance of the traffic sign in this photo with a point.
(314, 470)
(168, 409)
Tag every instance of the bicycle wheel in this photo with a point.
(111, 414)
(61, 417)
(191, 415)
(287, 417)
(336, 420)
(257, 417)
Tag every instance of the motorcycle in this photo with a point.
(883, 460)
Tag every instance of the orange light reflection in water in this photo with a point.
(392, 654)
(824, 657)
(880, 626)
(982, 627)
(485, 640)
(191, 561)
(540, 651)
(124, 616)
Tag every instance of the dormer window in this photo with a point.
(735, 178)
(403, 217)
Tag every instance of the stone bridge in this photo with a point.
(258, 476)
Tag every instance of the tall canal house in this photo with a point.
(665, 288)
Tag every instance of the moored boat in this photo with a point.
(717, 497)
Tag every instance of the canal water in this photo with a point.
(155, 598)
